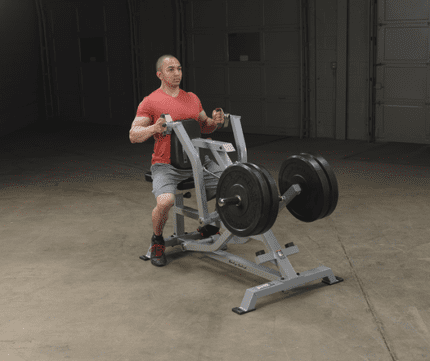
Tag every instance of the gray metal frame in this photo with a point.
(284, 279)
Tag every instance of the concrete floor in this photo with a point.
(75, 216)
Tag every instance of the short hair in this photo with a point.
(160, 61)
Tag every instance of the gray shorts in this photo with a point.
(165, 177)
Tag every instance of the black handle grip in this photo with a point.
(163, 116)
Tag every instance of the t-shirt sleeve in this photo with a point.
(144, 109)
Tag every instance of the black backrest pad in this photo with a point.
(178, 156)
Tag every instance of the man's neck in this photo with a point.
(171, 92)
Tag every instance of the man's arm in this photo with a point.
(141, 130)
(203, 117)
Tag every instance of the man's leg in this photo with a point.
(211, 182)
(160, 214)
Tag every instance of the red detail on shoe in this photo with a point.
(159, 250)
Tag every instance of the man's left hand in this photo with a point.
(218, 117)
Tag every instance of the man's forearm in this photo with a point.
(210, 122)
(140, 134)
(210, 126)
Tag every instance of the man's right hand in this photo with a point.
(158, 126)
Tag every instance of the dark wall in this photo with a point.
(158, 37)
(22, 100)
(21, 89)
(91, 61)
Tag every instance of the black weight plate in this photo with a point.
(330, 198)
(334, 187)
(265, 215)
(313, 201)
(243, 220)
(273, 198)
(246, 219)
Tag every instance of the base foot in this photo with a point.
(326, 280)
(239, 311)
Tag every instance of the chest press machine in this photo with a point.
(247, 206)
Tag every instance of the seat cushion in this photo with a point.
(186, 184)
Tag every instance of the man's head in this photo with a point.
(169, 70)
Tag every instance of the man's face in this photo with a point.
(171, 72)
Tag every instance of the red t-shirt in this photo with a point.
(184, 106)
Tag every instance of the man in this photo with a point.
(170, 99)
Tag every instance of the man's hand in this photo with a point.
(218, 117)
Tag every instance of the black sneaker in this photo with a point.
(158, 258)
(209, 230)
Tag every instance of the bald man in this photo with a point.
(170, 99)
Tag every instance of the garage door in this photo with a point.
(402, 98)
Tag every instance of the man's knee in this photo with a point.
(165, 201)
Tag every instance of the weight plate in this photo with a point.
(245, 219)
(331, 176)
(329, 202)
(273, 198)
(265, 216)
(313, 201)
